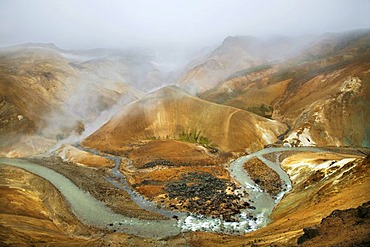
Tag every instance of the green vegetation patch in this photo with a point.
(195, 137)
(262, 110)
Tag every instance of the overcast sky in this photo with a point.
(122, 23)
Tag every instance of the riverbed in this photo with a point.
(95, 213)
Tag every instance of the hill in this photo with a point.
(172, 114)
(323, 96)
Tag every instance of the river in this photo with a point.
(93, 212)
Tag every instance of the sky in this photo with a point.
(85, 24)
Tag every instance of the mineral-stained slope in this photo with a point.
(253, 90)
(330, 109)
(323, 94)
(234, 54)
(172, 114)
(30, 83)
(174, 147)
(33, 212)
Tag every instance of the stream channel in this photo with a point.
(93, 212)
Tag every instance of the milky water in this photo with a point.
(119, 181)
(94, 212)
(263, 202)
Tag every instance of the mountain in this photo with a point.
(46, 93)
(137, 70)
(101, 125)
(235, 54)
(322, 96)
(169, 113)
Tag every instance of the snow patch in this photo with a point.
(267, 136)
(328, 167)
(300, 138)
(352, 84)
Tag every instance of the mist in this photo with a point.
(118, 51)
(82, 24)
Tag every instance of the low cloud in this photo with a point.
(87, 24)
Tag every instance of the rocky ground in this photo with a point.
(304, 206)
(266, 178)
(316, 193)
(184, 177)
(349, 227)
(203, 193)
(206, 190)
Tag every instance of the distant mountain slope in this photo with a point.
(348, 44)
(171, 114)
(44, 93)
(252, 90)
(323, 94)
(234, 54)
(333, 107)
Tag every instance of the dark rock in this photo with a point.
(205, 194)
(363, 211)
(309, 233)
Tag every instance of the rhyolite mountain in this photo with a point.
(47, 93)
(170, 113)
(246, 94)
(323, 94)
(236, 53)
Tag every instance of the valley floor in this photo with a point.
(317, 191)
